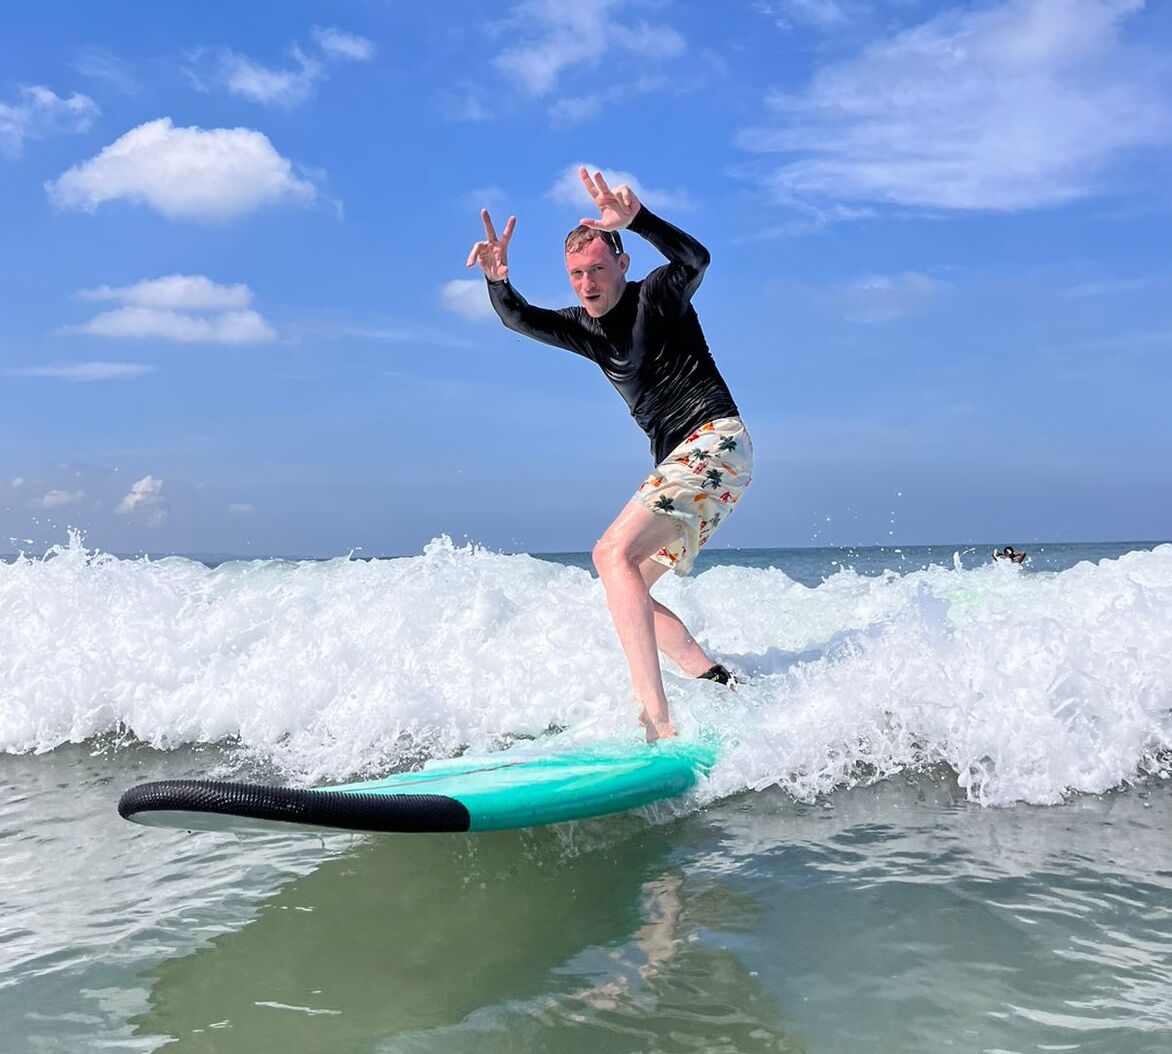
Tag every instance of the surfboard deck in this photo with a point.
(519, 787)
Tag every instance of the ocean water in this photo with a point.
(942, 819)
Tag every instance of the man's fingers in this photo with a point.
(489, 230)
(601, 183)
(508, 232)
(477, 249)
(588, 183)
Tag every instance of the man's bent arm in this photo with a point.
(688, 258)
(558, 328)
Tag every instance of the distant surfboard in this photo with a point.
(520, 787)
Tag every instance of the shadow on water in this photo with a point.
(579, 938)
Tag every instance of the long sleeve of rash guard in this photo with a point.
(672, 285)
(562, 328)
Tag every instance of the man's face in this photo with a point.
(598, 276)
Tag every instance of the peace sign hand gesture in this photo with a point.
(618, 206)
(493, 253)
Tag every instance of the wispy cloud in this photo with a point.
(824, 14)
(284, 86)
(184, 173)
(571, 109)
(103, 65)
(879, 299)
(55, 499)
(482, 198)
(146, 323)
(467, 298)
(40, 112)
(1119, 346)
(185, 309)
(145, 498)
(82, 372)
(271, 87)
(1108, 287)
(556, 37)
(467, 103)
(1022, 104)
(811, 220)
(568, 189)
(339, 44)
(191, 292)
(380, 333)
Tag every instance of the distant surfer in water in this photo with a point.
(1009, 553)
(647, 339)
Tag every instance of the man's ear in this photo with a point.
(624, 262)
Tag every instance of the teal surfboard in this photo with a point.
(520, 787)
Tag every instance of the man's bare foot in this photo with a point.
(656, 729)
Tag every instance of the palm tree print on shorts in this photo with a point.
(697, 484)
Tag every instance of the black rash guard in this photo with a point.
(649, 345)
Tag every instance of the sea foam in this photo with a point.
(1029, 687)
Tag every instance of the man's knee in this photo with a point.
(610, 555)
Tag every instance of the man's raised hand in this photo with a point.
(493, 253)
(618, 206)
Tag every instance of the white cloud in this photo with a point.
(41, 112)
(1018, 105)
(878, 299)
(151, 323)
(569, 190)
(184, 173)
(54, 499)
(341, 45)
(145, 497)
(288, 88)
(184, 308)
(192, 292)
(242, 508)
(467, 297)
(79, 372)
(559, 36)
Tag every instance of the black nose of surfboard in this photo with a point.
(194, 803)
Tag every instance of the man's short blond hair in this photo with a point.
(581, 236)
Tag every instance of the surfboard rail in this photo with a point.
(514, 788)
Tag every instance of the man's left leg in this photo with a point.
(672, 637)
(634, 536)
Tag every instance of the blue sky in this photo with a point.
(236, 317)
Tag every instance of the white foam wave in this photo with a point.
(1028, 686)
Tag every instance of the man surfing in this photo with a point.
(646, 338)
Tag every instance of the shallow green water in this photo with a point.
(894, 917)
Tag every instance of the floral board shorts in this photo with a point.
(697, 485)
